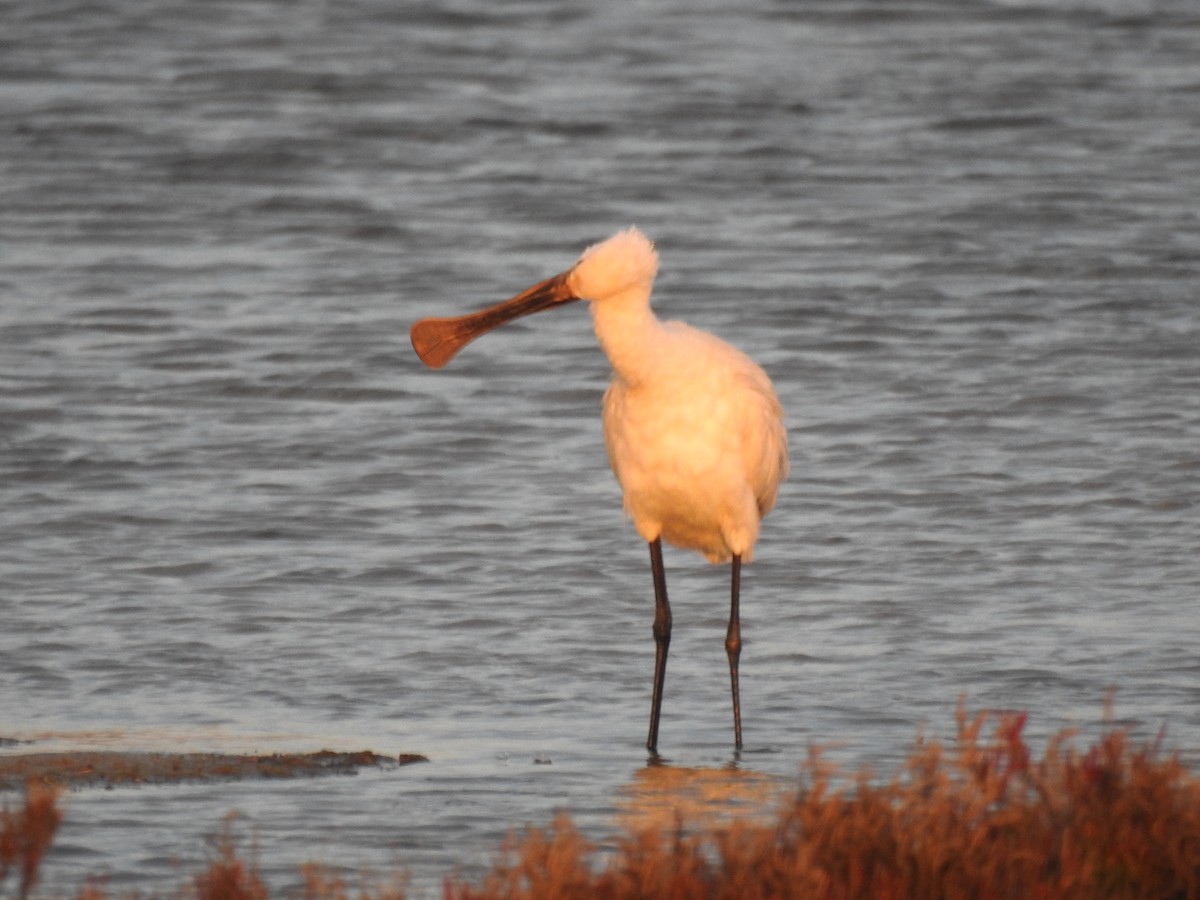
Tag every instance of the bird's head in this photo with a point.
(624, 263)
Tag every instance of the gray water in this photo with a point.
(237, 513)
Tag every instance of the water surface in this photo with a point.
(237, 513)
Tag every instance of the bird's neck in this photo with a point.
(629, 333)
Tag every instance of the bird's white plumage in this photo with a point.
(693, 428)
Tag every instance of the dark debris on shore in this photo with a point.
(110, 768)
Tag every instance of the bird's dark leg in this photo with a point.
(733, 649)
(662, 639)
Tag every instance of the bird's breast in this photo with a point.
(688, 448)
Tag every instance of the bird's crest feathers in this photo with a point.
(626, 259)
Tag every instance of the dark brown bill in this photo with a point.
(437, 341)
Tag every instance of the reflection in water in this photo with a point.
(664, 797)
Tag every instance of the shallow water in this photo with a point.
(237, 513)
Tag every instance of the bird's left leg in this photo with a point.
(733, 649)
(662, 639)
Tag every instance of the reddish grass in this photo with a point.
(979, 819)
(228, 877)
(26, 835)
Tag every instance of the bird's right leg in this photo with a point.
(662, 639)
(733, 648)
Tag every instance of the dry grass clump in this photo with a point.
(26, 835)
(981, 820)
(978, 819)
(228, 876)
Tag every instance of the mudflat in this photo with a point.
(110, 768)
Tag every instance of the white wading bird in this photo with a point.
(693, 428)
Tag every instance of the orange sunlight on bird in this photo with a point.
(693, 428)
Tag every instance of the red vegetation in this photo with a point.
(980, 819)
(228, 877)
(26, 835)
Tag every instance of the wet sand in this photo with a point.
(110, 768)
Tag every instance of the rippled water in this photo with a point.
(236, 512)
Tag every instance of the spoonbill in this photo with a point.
(693, 428)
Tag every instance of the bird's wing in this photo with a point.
(764, 448)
